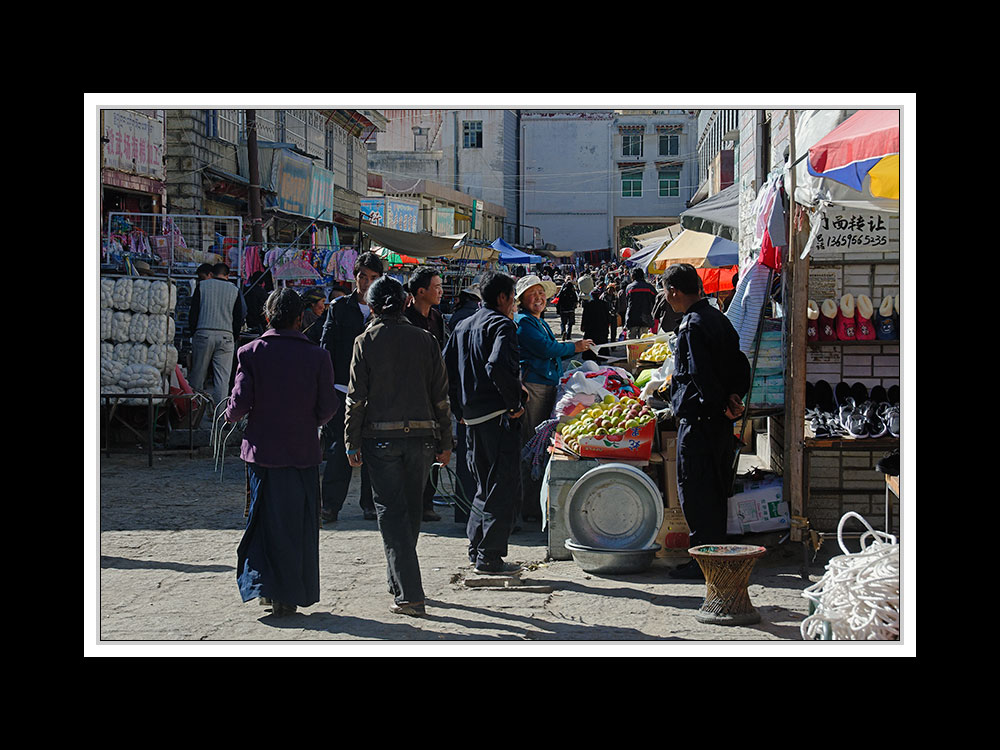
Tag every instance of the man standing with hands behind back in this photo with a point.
(482, 359)
(711, 376)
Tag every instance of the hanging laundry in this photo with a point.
(747, 302)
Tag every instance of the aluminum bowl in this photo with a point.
(611, 561)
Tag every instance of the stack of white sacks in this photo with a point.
(137, 334)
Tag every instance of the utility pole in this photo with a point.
(256, 226)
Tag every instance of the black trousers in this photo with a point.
(399, 469)
(463, 470)
(705, 453)
(338, 472)
(494, 459)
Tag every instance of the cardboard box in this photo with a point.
(635, 445)
(668, 445)
(758, 507)
(674, 535)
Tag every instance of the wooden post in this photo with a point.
(253, 196)
(795, 393)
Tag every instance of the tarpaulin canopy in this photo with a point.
(717, 279)
(511, 255)
(411, 243)
(649, 245)
(865, 145)
(718, 215)
(700, 250)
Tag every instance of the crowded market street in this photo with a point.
(433, 381)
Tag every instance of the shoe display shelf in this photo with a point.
(838, 472)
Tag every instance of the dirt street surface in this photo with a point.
(168, 538)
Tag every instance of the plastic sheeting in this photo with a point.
(718, 215)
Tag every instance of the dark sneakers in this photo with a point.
(498, 568)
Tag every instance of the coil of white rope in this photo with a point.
(858, 596)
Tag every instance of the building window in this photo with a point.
(632, 184)
(670, 145)
(670, 184)
(472, 134)
(632, 145)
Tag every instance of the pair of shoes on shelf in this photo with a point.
(411, 609)
(689, 571)
(497, 568)
(868, 414)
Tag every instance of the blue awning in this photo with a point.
(511, 255)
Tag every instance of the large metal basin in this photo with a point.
(612, 561)
(614, 506)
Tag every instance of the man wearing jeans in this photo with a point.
(215, 318)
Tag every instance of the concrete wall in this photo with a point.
(566, 168)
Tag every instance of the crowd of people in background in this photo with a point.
(390, 385)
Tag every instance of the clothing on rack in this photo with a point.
(745, 307)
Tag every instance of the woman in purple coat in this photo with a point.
(284, 386)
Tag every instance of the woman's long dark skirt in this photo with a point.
(278, 557)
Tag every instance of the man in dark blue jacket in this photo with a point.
(705, 398)
(345, 319)
(483, 364)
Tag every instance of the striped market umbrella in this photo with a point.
(865, 145)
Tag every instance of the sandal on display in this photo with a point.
(828, 320)
(812, 327)
(846, 321)
(865, 330)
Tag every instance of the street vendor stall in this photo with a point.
(844, 259)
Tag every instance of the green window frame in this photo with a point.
(670, 184)
(632, 184)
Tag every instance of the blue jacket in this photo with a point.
(481, 358)
(541, 353)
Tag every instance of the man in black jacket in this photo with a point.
(640, 296)
(566, 307)
(705, 399)
(345, 319)
(482, 359)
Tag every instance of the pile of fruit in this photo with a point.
(658, 352)
(610, 417)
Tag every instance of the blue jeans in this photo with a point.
(399, 468)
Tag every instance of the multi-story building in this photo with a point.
(592, 179)
(132, 153)
(312, 165)
(463, 151)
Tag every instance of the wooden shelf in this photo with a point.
(859, 444)
(855, 342)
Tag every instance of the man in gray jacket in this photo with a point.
(215, 318)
